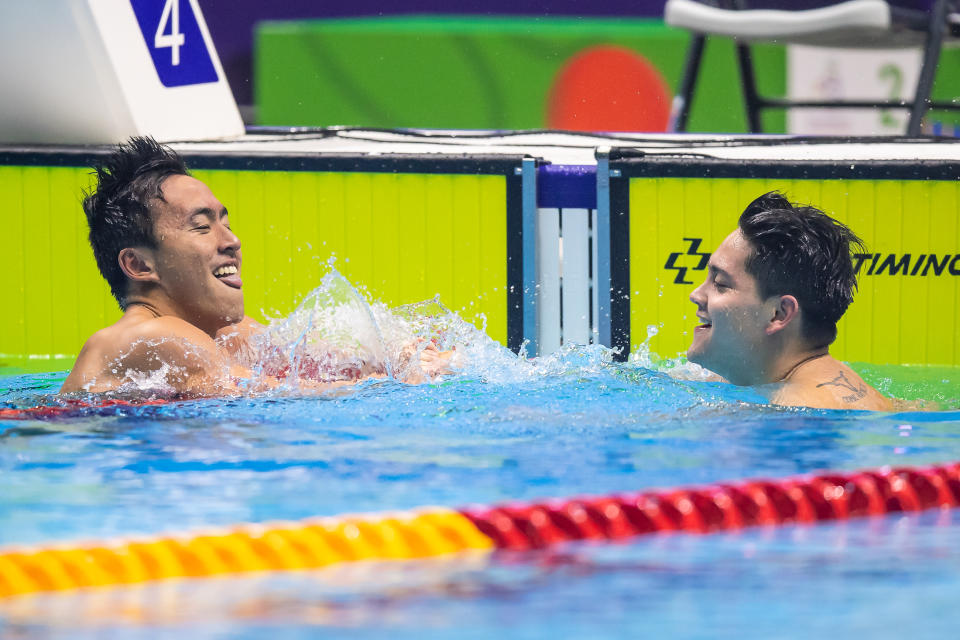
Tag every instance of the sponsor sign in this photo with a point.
(907, 275)
(681, 264)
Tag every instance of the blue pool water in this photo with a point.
(502, 429)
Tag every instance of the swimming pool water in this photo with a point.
(574, 423)
(501, 429)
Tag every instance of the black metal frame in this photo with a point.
(620, 266)
(754, 103)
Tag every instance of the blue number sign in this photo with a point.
(176, 45)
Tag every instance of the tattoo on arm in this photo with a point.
(857, 390)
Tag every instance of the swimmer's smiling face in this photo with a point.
(734, 318)
(197, 259)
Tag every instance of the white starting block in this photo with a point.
(99, 71)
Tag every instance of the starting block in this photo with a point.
(99, 71)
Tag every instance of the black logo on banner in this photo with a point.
(692, 250)
(878, 264)
(864, 264)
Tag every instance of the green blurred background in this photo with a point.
(486, 72)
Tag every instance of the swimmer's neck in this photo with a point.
(140, 308)
(800, 362)
(783, 368)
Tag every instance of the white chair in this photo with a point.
(850, 24)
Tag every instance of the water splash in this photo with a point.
(331, 336)
(678, 366)
(156, 381)
(337, 334)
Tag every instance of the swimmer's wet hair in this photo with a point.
(118, 209)
(801, 251)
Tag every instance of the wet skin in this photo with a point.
(184, 323)
(195, 255)
(176, 302)
(733, 316)
(750, 340)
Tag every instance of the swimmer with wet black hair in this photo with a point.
(775, 289)
(163, 242)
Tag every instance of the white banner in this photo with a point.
(817, 73)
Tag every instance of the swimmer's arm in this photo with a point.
(163, 353)
(204, 369)
(794, 396)
(235, 337)
(189, 360)
(434, 362)
(431, 362)
(798, 396)
(848, 392)
(89, 363)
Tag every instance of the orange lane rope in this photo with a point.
(319, 542)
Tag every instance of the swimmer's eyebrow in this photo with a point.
(207, 212)
(715, 270)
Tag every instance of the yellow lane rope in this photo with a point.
(305, 544)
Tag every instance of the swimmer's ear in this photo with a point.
(786, 311)
(137, 264)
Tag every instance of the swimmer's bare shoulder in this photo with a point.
(235, 338)
(186, 358)
(830, 384)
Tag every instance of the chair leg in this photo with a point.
(928, 72)
(750, 100)
(680, 109)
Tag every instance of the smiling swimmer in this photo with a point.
(769, 307)
(163, 242)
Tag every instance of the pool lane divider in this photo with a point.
(71, 408)
(433, 531)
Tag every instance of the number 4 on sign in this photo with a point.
(174, 39)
